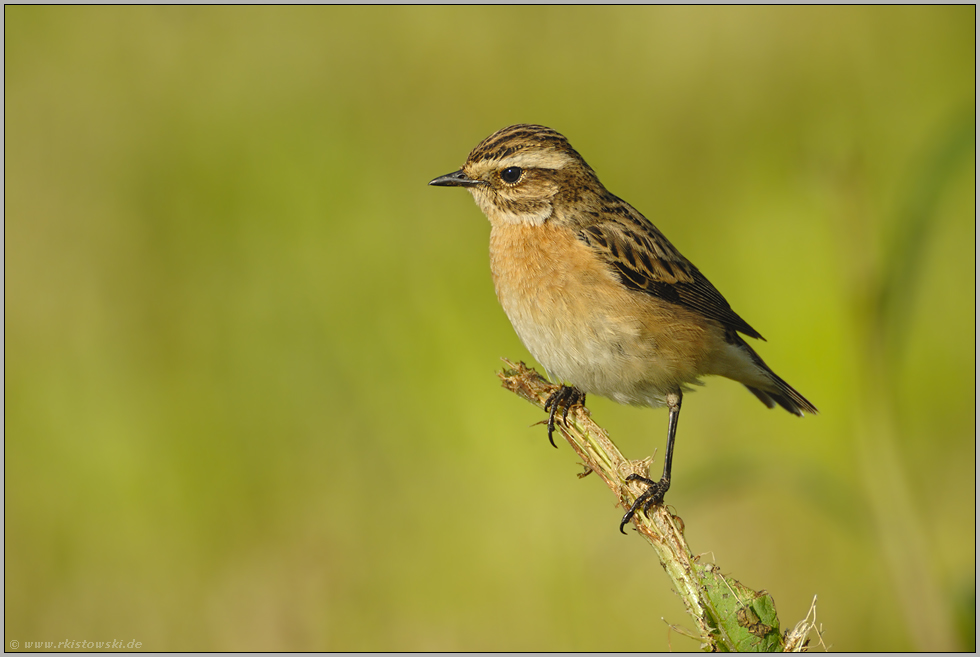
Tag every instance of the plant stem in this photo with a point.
(729, 616)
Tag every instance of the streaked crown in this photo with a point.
(527, 139)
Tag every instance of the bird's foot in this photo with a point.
(654, 494)
(565, 397)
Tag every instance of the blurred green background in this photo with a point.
(250, 399)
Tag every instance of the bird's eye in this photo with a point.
(511, 174)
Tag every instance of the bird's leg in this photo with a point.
(565, 397)
(655, 493)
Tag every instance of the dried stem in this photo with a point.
(728, 615)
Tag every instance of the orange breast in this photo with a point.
(584, 326)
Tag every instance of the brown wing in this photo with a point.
(646, 261)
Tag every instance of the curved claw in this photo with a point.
(565, 397)
(654, 494)
(553, 402)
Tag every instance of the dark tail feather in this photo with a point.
(791, 400)
(782, 393)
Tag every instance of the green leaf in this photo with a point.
(746, 619)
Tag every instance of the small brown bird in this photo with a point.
(597, 294)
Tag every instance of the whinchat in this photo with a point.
(597, 294)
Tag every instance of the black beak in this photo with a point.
(455, 179)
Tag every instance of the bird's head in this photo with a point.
(517, 175)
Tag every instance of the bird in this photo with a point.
(598, 295)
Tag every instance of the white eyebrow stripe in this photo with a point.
(536, 160)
